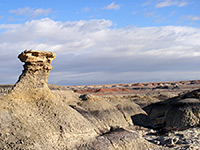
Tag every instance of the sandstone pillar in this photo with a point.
(34, 77)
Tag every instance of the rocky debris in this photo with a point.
(120, 139)
(176, 140)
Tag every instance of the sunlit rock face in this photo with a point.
(37, 63)
(34, 77)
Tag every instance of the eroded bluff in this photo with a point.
(177, 113)
(34, 117)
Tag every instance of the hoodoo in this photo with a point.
(37, 62)
(34, 77)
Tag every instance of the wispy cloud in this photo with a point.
(134, 12)
(166, 3)
(85, 9)
(193, 18)
(148, 14)
(1, 17)
(97, 53)
(147, 3)
(154, 15)
(31, 12)
(113, 6)
(172, 13)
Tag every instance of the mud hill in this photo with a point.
(35, 115)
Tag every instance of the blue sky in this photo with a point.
(123, 13)
(103, 41)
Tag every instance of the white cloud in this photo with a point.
(31, 12)
(113, 6)
(92, 52)
(166, 3)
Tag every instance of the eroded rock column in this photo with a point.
(34, 78)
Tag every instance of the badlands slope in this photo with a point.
(142, 116)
